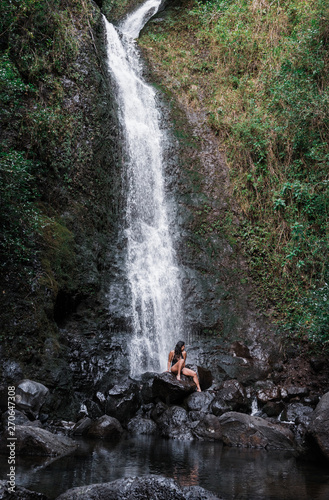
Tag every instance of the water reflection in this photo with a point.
(232, 473)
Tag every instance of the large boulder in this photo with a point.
(35, 441)
(233, 394)
(136, 488)
(199, 401)
(205, 376)
(269, 392)
(141, 425)
(219, 406)
(11, 372)
(158, 410)
(30, 396)
(82, 426)
(174, 423)
(123, 401)
(273, 409)
(19, 418)
(239, 429)
(297, 413)
(207, 428)
(18, 493)
(319, 426)
(146, 391)
(105, 427)
(170, 390)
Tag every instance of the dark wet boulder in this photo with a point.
(146, 410)
(39, 442)
(11, 372)
(82, 426)
(269, 392)
(19, 418)
(239, 429)
(273, 408)
(146, 391)
(233, 394)
(105, 427)
(170, 390)
(319, 426)
(296, 392)
(244, 363)
(196, 415)
(123, 401)
(137, 488)
(240, 350)
(157, 411)
(219, 406)
(30, 396)
(297, 413)
(174, 423)
(199, 401)
(141, 425)
(92, 409)
(19, 493)
(207, 428)
(205, 376)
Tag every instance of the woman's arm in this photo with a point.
(171, 354)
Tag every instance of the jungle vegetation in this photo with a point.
(39, 157)
(260, 71)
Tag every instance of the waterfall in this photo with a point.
(254, 406)
(152, 271)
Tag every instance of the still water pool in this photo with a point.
(233, 473)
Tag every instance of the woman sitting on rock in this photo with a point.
(176, 364)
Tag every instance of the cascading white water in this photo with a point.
(152, 270)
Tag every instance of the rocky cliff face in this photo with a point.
(228, 331)
(58, 327)
(50, 314)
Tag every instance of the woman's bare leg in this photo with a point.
(191, 373)
(180, 366)
(177, 368)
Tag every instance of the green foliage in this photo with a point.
(59, 261)
(43, 41)
(19, 216)
(267, 99)
(308, 319)
(52, 134)
(11, 12)
(39, 44)
(116, 9)
(12, 87)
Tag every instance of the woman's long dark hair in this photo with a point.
(178, 349)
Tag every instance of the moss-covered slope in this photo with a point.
(59, 168)
(258, 73)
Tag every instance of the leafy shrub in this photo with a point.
(20, 217)
(12, 87)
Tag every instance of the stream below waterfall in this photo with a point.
(232, 473)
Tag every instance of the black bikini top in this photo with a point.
(175, 359)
